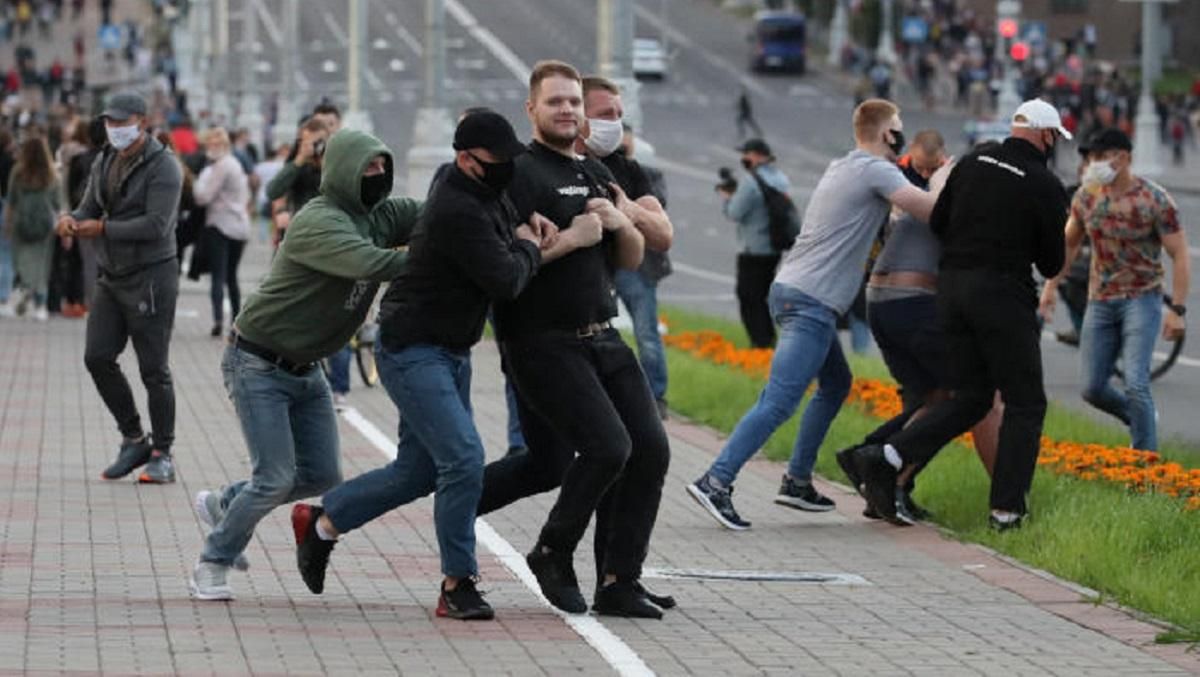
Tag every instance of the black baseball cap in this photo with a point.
(1109, 139)
(756, 146)
(123, 105)
(491, 131)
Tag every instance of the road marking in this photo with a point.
(689, 171)
(334, 28)
(677, 38)
(611, 648)
(743, 575)
(1049, 337)
(702, 273)
(1194, 252)
(503, 54)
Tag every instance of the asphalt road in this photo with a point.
(689, 117)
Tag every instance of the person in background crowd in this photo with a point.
(224, 191)
(757, 258)
(1129, 221)
(34, 197)
(299, 180)
(129, 208)
(6, 262)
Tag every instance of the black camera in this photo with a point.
(728, 182)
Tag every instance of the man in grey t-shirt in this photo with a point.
(818, 281)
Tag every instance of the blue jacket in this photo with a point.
(748, 208)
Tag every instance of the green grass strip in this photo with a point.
(1142, 551)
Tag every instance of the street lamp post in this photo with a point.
(886, 51)
(838, 28)
(250, 109)
(434, 130)
(614, 53)
(357, 116)
(285, 118)
(219, 73)
(1146, 160)
(199, 85)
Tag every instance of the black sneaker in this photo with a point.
(131, 456)
(312, 553)
(624, 599)
(915, 509)
(1011, 520)
(902, 518)
(464, 602)
(879, 480)
(847, 461)
(718, 501)
(802, 496)
(556, 577)
(159, 469)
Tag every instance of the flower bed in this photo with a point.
(1141, 471)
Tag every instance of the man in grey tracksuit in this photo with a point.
(128, 210)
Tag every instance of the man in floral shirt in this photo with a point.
(1130, 221)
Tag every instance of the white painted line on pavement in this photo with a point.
(334, 28)
(745, 575)
(615, 652)
(503, 54)
(1194, 252)
(1049, 337)
(678, 38)
(702, 273)
(692, 172)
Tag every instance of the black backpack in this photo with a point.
(782, 216)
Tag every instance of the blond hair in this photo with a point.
(594, 83)
(870, 117)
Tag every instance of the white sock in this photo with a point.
(893, 456)
(324, 535)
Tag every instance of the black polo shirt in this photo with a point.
(462, 256)
(629, 175)
(1002, 209)
(574, 290)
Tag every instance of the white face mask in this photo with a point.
(605, 136)
(123, 137)
(214, 155)
(1099, 173)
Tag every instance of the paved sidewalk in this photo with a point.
(93, 573)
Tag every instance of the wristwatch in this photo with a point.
(1178, 308)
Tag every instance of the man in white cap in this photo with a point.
(1001, 212)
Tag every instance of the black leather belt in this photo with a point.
(592, 329)
(244, 344)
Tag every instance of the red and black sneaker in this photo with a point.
(312, 553)
(464, 602)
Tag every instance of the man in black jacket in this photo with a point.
(129, 210)
(1001, 212)
(464, 253)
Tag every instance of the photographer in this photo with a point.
(757, 258)
(300, 178)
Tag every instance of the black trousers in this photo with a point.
(992, 342)
(224, 255)
(755, 272)
(141, 308)
(591, 424)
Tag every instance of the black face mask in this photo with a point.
(375, 188)
(1049, 147)
(496, 175)
(897, 144)
(747, 163)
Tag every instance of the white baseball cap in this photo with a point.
(1037, 114)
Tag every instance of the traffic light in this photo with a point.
(1008, 28)
(1019, 51)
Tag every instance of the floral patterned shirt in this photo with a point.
(1126, 232)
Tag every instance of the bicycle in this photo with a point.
(362, 344)
(1166, 352)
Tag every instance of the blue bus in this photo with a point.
(779, 42)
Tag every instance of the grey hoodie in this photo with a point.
(140, 219)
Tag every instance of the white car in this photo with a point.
(649, 59)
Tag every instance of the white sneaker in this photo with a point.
(41, 314)
(208, 508)
(340, 401)
(8, 309)
(209, 582)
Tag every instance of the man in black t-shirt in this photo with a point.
(580, 387)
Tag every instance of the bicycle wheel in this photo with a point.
(364, 355)
(1165, 354)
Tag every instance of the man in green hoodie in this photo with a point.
(341, 245)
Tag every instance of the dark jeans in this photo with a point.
(586, 396)
(755, 273)
(224, 254)
(66, 276)
(141, 308)
(992, 344)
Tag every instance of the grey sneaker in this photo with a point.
(131, 456)
(718, 501)
(209, 582)
(208, 509)
(158, 470)
(802, 496)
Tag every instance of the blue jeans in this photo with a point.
(339, 370)
(516, 438)
(291, 432)
(439, 450)
(1126, 329)
(807, 348)
(6, 262)
(640, 296)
